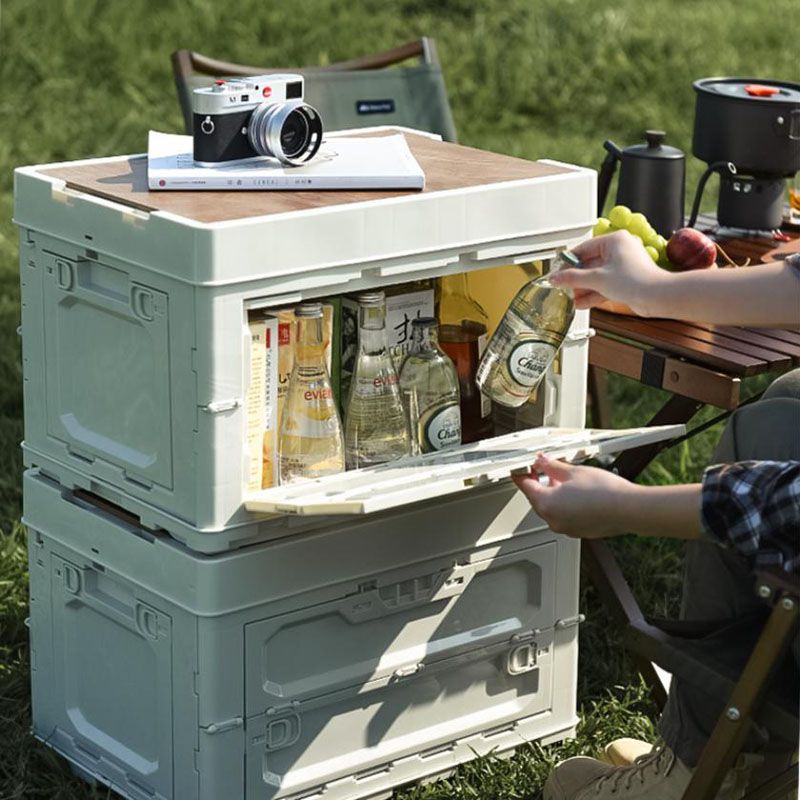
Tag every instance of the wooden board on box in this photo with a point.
(447, 166)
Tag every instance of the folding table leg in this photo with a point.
(617, 597)
(598, 394)
(677, 409)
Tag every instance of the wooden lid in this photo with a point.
(447, 166)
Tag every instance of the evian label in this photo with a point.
(376, 385)
(528, 361)
(443, 429)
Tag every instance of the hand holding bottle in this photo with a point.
(615, 267)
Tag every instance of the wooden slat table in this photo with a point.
(698, 364)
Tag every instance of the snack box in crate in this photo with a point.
(135, 309)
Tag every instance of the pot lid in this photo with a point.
(655, 147)
(751, 89)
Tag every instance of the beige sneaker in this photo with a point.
(656, 775)
(622, 752)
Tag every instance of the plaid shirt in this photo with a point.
(753, 507)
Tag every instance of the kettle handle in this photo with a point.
(607, 169)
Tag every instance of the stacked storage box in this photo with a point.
(185, 645)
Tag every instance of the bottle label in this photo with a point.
(443, 429)
(486, 403)
(312, 423)
(376, 385)
(528, 361)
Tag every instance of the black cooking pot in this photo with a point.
(755, 124)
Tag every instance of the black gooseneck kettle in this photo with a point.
(652, 180)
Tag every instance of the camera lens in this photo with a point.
(294, 134)
(290, 131)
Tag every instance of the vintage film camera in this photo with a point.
(251, 117)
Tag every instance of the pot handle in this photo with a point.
(794, 125)
(717, 166)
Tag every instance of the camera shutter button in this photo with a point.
(207, 125)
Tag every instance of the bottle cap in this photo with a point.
(308, 310)
(371, 299)
(424, 322)
(571, 259)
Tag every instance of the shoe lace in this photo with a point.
(658, 759)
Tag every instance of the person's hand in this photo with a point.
(616, 267)
(580, 501)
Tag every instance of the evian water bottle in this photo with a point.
(310, 442)
(376, 428)
(528, 337)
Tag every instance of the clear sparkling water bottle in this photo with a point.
(376, 428)
(528, 337)
(429, 382)
(310, 442)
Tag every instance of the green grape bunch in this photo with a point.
(621, 218)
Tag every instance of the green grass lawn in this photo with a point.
(532, 78)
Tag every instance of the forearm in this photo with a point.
(766, 295)
(671, 511)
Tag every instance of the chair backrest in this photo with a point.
(358, 93)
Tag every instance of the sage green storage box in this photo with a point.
(335, 664)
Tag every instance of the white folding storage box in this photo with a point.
(330, 640)
(134, 309)
(334, 664)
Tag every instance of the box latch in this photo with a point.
(72, 578)
(147, 621)
(521, 657)
(282, 727)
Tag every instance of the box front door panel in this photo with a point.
(107, 361)
(302, 749)
(396, 628)
(114, 674)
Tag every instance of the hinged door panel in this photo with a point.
(460, 469)
(397, 629)
(107, 362)
(487, 691)
(120, 717)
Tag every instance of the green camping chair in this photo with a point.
(360, 93)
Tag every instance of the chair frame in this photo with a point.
(745, 699)
(187, 62)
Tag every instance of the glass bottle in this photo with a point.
(375, 430)
(528, 337)
(463, 335)
(310, 442)
(428, 379)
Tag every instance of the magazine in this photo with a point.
(383, 162)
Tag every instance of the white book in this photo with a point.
(383, 162)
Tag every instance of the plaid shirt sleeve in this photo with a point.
(753, 507)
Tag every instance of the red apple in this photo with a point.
(687, 248)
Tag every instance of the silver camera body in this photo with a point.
(254, 117)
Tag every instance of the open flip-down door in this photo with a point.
(461, 469)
